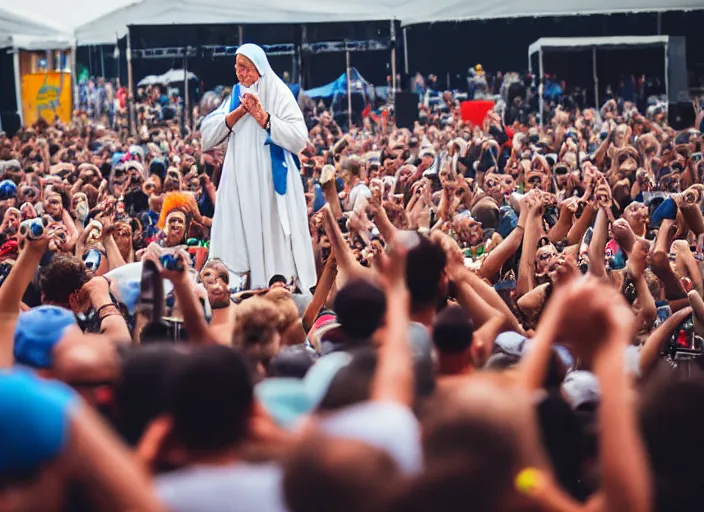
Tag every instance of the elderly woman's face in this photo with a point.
(246, 71)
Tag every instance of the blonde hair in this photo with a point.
(287, 308)
(256, 329)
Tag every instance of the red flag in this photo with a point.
(475, 111)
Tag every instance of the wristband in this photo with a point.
(104, 307)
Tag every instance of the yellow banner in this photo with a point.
(46, 95)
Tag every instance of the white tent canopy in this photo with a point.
(103, 21)
(21, 26)
(581, 43)
(192, 12)
(68, 16)
(421, 11)
(170, 77)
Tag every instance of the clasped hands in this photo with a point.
(253, 106)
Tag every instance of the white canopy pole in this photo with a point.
(130, 93)
(541, 85)
(530, 61)
(667, 78)
(596, 80)
(349, 87)
(392, 96)
(405, 50)
(74, 77)
(186, 93)
(18, 85)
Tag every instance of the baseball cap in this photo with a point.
(34, 420)
(288, 399)
(293, 361)
(8, 189)
(515, 344)
(581, 388)
(38, 331)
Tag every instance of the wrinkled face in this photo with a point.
(246, 71)
(175, 227)
(499, 187)
(53, 206)
(544, 258)
(214, 278)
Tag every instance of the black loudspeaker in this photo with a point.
(677, 70)
(9, 122)
(681, 115)
(406, 109)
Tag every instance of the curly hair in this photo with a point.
(287, 308)
(61, 278)
(256, 330)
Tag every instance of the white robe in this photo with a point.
(255, 229)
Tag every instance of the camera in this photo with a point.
(32, 229)
(172, 262)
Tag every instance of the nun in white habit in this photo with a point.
(261, 221)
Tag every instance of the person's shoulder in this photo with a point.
(387, 425)
(251, 486)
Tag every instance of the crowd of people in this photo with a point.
(507, 317)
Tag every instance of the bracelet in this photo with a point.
(103, 307)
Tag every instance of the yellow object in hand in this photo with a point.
(529, 481)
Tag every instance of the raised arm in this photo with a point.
(11, 294)
(500, 255)
(393, 379)
(652, 347)
(597, 246)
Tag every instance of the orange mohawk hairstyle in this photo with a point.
(176, 201)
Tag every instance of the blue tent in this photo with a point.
(339, 86)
